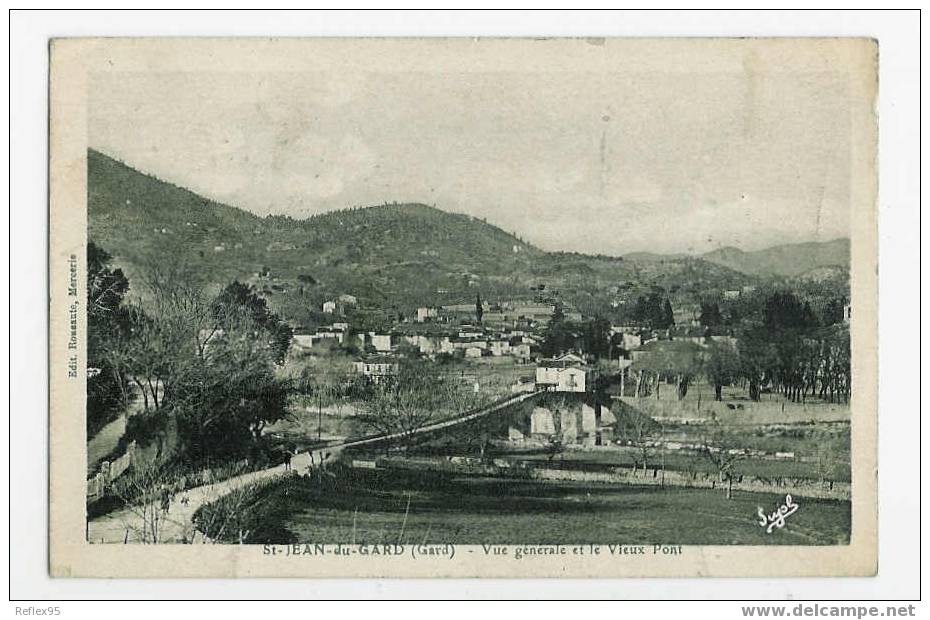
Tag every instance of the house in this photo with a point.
(329, 307)
(523, 384)
(329, 333)
(624, 329)
(325, 333)
(499, 347)
(521, 351)
(731, 294)
(847, 313)
(472, 352)
(307, 341)
(632, 341)
(729, 341)
(566, 373)
(534, 312)
(348, 300)
(302, 341)
(376, 368)
(694, 335)
(425, 344)
(381, 342)
(426, 314)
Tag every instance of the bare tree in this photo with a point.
(718, 448)
(143, 491)
(418, 396)
(641, 427)
(826, 461)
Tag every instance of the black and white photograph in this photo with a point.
(569, 304)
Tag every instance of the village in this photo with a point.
(499, 348)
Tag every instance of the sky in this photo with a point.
(594, 162)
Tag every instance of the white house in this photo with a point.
(303, 341)
(566, 373)
(377, 368)
(349, 300)
(499, 347)
(329, 334)
(329, 307)
(426, 314)
(381, 342)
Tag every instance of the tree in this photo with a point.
(654, 311)
(224, 402)
(596, 337)
(479, 308)
(833, 311)
(238, 297)
(142, 490)
(108, 392)
(560, 335)
(678, 360)
(204, 367)
(222, 408)
(721, 367)
(419, 395)
(720, 448)
(826, 460)
(668, 317)
(642, 426)
(710, 314)
(783, 310)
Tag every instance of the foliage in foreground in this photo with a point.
(204, 368)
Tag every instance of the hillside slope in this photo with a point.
(393, 256)
(783, 260)
(384, 254)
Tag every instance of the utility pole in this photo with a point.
(319, 428)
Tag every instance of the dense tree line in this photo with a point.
(653, 311)
(591, 337)
(793, 352)
(786, 349)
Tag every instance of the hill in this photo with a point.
(391, 257)
(783, 260)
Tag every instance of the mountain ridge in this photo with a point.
(787, 260)
(394, 255)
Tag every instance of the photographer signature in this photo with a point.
(777, 518)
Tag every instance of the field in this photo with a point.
(374, 507)
(595, 460)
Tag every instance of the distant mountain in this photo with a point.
(388, 256)
(784, 260)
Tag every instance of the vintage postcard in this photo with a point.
(463, 307)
